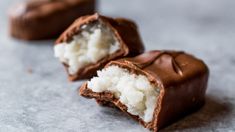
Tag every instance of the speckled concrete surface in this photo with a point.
(35, 95)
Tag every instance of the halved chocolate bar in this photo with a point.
(155, 88)
(46, 19)
(92, 41)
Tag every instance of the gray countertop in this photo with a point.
(35, 95)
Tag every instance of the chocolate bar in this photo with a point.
(92, 41)
(46, 19)
(155, 88)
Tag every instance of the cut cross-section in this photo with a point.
(134, 91)
(94, 42)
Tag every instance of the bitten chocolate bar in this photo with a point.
(155, 88)
(92, 41)
(46, 19)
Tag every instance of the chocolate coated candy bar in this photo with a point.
(92, 41)
(45, 19)
(155, 88)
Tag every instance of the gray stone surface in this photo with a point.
(44, 101)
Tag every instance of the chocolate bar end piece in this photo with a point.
(155, 88)
(93, 40)
(46, 19)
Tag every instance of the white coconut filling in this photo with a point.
(134, 91)
(93, 43)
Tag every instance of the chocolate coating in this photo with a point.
(46, 19)
(124, 30)
(180, 77)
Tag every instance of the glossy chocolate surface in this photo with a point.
(180, 77)
(124, 30)
(46, 19)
